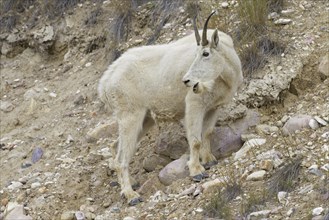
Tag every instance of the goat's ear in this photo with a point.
(214, 39)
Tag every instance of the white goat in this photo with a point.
(151, 83)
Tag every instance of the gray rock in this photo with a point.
(172, 141)
(128, 218)
(68, 215)
(35, 185)
(227, 139)
(259, 214)
(44, 34)
(266, 129)
(150, 163)
(317, 211)
(174, 171)
(79, 215)
(324, 65)
(320, 121)
(6, 48)
(313, 124)
(224, 140)
(6, 106)
(33, 93)
(282, 197)
(225, 5)
(15, 211)
(283, 21)
(258, 175)
(295, 123)
(37, 154)
(15, 185)
(247, 146)
(150, 186)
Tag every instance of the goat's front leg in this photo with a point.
(207, 158)
(193, 122)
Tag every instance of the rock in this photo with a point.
(188, 191)
(208, 187)
(260, 214)
(172, 141)
(159, 196)
(266, 165)
(68, 215)
(314, 169)
(69, 139)
(273, 15)
(325, 167)
(227, 139)
(306, 189)
(37, 154)
(35, 185)
(150, 186)
(128, 218)
(295, 123)
(108, 130)
(225, 5)
(283, 21)
(88, 64)
(79, 215)
(150, 163)
(15, 211)
(317, 211)
(15, 185)
(247, 146)
(266, 129)
(324, 65)
(282, 197)
(44, 34)
(53, 95)
(313, 124)
(320, 121)
(6, 106)
(290, 212)
(273, 155)
(258, 175)
(174, 170)
(33, 93)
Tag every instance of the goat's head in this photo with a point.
(206, 67)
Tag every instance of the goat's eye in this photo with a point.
(205, 54)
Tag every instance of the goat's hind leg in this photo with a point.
(130, 127)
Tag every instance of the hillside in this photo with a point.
(56, 135)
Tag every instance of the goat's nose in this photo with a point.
(186, 81)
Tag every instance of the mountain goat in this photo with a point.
(178, 80)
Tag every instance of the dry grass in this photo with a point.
(218, 206)
(286, 178)
(253, 203)
(256, 38)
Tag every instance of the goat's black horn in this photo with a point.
(204, 32)
(196, 32)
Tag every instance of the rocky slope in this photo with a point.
(56, 135)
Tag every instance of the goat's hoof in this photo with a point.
(210, 164)
(135, 201)
(199, 177)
